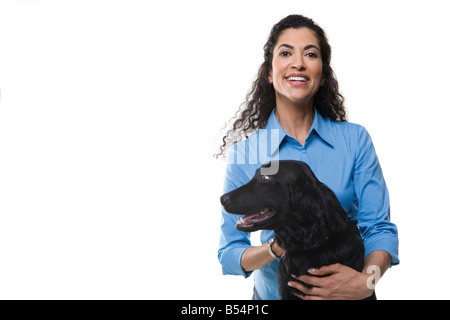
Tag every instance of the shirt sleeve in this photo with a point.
(377, 231)
(232, 242)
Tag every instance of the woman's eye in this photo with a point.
(284, 53)
(265, 178)
(312, 54)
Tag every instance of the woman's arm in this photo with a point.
(377, 231)
(257, 257)
(375, 265)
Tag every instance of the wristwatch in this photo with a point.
(269, 247)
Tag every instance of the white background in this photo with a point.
(109, 113)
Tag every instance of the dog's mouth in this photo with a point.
(254, 219)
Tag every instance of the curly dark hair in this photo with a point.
(260, 101)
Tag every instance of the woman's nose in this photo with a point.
(298, 63)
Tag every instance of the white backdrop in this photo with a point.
(109, 112)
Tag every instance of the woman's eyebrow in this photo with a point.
(309, 46)
(286, 45)
(312, 46)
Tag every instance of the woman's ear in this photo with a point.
(269, 77)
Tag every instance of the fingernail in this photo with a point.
(289, 284)
(311, 270)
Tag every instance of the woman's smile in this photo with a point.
(297, 79)
(296, 67)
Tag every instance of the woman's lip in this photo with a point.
(297, 83)
(297, 75)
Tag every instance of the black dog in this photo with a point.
(306, 216)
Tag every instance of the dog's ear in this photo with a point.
(334, 214)
(316, 210)
(301, 228)
(321, 199)
(315, 219)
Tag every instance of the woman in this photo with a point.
(295, 98)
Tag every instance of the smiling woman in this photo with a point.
(296, 95)
(296, 68)
(261, 99)
(296, 76)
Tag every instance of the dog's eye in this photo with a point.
(265, 178)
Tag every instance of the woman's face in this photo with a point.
(296, 67)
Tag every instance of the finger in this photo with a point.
(303, 296)
(311, 280)
(300, 295)
(300, 287)
(306, 292)
(309, 297)
(325, 270)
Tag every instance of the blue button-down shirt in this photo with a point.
(342, 156)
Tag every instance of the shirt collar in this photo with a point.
(273, 124)
(320, 125)
(323, 128)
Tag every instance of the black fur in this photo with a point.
(306, 216)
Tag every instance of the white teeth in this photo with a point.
(297, 79)
(241, 221)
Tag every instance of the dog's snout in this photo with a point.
(224, 199)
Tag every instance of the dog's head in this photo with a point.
(292, 202)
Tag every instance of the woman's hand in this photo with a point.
(336, 282)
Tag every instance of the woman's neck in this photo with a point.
(296, 120)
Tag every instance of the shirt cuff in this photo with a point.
(230, 259)
(383, 243)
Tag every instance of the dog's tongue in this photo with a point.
(251, 217)
(259, 216)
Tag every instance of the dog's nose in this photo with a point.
(224, 199)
